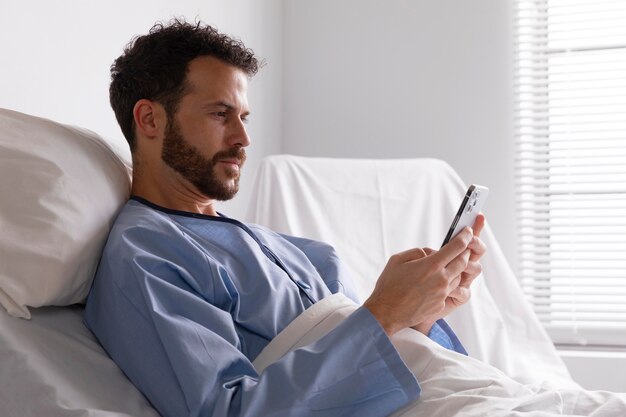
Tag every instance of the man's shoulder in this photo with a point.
(137, 223)
(145, 238)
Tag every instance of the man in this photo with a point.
(186, 298)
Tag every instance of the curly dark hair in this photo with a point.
(154, 67)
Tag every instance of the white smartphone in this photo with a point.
(470, 207)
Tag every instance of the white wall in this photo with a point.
(404, 78)
(56, 58)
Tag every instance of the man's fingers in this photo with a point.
(479, 224)
(470, 273)
(409, 255)
(453, 248)
(458, 264)
(478, 248)
(456, 281)
(460, 295)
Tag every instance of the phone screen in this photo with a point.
(470, 207)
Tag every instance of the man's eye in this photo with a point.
(220, 114)
(244, 119)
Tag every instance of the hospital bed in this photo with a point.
(61, 187)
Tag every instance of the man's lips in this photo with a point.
(231, 161)
(233, 158)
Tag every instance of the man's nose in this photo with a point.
(239, 135)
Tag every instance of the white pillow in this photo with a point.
(60, 189)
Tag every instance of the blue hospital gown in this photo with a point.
(184, 303)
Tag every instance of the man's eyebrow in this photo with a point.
(228, 106)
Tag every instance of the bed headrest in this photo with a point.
(60, 189)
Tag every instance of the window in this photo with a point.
(570, 89)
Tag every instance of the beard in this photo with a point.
(199, 170)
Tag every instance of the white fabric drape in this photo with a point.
(371, 209)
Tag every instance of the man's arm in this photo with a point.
(330, 268)
(182, 349)
(338, 279)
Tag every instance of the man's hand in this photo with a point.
(462, 293)
(415, 285)
(420, 286)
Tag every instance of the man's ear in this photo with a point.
(150, 118)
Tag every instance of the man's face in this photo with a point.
(205, 139)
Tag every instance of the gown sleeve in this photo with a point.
(174, 337)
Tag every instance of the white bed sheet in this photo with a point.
(452, 384)
(52, 366)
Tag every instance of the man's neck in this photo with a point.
(173, 194)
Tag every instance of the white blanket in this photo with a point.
(452, 384)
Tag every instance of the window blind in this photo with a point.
(570, 164)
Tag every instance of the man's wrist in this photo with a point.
(380, 314)
(424, 327)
